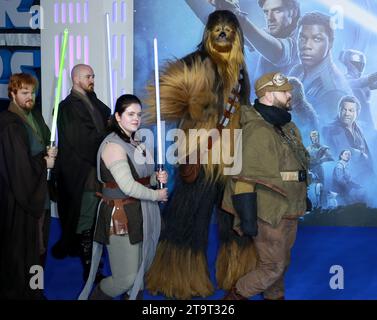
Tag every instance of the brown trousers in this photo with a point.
(273, 246)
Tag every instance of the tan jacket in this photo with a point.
(266, 157)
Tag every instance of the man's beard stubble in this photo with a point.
(27, 105)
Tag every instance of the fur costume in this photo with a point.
(193, 92)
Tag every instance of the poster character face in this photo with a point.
(278, 17)
(314, 137)
(313, 44)
(345, 155)
(348, 113)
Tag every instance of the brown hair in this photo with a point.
(18, 80)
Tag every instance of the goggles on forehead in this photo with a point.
(277, 80)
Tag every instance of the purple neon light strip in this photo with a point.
(56, 12)
(123, 55)
(86, 50)
(78, 47)
(64, 12)
(123, 11)
(86, 11)
(115, 12)
(70, 11)
(115, 47)
(64, 84)
(71, 52)
(78, 12)
(57, 55)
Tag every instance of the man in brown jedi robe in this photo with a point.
(24, 200)
(81, 125)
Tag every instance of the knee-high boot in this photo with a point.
(86, 248)
(86, 245)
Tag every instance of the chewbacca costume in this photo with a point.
(203, 90)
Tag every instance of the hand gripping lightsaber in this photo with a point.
(160, 165)
(57, 94)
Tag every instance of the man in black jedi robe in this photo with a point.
(82, 122)
(24, 200)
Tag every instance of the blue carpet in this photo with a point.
(316, 250)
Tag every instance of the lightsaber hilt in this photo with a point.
(160, 168)
(52, 144)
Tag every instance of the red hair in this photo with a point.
(18, 80)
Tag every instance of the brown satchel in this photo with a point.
(120, 221)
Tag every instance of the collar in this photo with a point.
(273, 115)
(318, 70)
(13, 107)
(78, 94)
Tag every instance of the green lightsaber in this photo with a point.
(58, 88)
(57, 95)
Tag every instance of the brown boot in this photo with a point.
(278, 298)
(232, 294)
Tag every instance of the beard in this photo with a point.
(89, 88)
(27, 105)
(284, 105)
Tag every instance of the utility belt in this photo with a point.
(300, 175)
(119, 216)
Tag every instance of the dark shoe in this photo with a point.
(99, 277)
(234, 295)
(86, 245)
(278, 298)
(98, 294)
(58, 251)
(138, 297)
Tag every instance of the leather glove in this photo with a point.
(245, 205)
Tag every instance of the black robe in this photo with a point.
(23, 191)
(78, 142)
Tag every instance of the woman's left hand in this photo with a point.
(162, 176)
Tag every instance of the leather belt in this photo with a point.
(111, 202)
(113, 185)
(299, 175)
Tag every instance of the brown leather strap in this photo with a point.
(119, 217)
(113, 185)
(114, 202)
